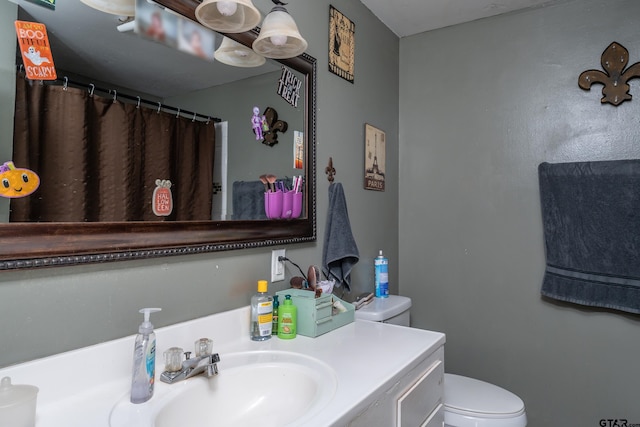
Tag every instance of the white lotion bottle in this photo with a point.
(144, 360)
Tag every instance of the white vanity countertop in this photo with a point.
(79, 388)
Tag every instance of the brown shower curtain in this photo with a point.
(98, 160)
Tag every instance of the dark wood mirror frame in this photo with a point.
(31, 245)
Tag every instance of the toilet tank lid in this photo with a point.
(471, 396)
(381, 309)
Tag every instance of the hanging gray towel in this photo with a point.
(248, 200)
(340, 252)
(591, 219)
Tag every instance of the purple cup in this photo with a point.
(296, 208)
(273, 204)
(287, 204)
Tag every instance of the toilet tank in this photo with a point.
(394, 309)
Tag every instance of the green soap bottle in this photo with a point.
(287, 319)
(276, 304)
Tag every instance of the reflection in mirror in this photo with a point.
(190, 91)
(250, 157)
(109, 172)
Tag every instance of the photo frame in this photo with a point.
(341, 45)
(374, 158)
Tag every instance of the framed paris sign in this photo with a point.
(341, 45)
(374, 158)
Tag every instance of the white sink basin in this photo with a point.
(266, 388)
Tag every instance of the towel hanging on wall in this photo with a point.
(248, 200)
(591, 220)
(340, 252)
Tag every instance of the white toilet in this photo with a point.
(467, 402)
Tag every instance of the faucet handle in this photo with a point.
(204, 346)
(173, 359)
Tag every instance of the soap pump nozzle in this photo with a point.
(146, 327)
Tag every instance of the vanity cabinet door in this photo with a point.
(436, 419)
(417, 405)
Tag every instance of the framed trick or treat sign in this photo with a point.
(341, 45)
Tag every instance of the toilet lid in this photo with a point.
(475, 397)
(381, 309)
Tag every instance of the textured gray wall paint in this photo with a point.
(48, 311)
(481, 105)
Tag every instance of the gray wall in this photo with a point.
(48, 311)
(481, 105)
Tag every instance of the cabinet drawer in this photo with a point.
(436, 419)
(422, 398)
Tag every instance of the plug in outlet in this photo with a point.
(277, 267)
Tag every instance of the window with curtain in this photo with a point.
(99, 160)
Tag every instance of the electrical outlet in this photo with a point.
(277, 267)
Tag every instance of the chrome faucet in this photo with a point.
(205, 364)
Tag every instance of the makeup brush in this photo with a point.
(272, 181)
(263, 178)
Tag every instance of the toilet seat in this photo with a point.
(471, 402)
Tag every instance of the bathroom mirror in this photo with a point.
(28, 245)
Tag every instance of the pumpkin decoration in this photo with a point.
(17, 182)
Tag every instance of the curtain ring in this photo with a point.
(66, 83)
(115, 96)
(208, 120)
(91, 89)
(138, 104)
(194, 117)
(178, 115)
(159, 105)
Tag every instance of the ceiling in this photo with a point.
(85, 42)
(409, 17)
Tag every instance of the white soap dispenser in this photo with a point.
(144, 360)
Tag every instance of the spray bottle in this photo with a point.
(382, 276)
(144, 360)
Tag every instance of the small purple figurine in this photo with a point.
(256, 122)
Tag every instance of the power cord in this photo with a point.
(284, 258)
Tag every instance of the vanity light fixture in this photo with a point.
(114, 7)
(279, 37)
(233, 53)
(228, 16)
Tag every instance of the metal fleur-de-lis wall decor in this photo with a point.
(272, 127)
(614, 60)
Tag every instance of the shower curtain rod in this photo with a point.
(138, 100)
(65, 81)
